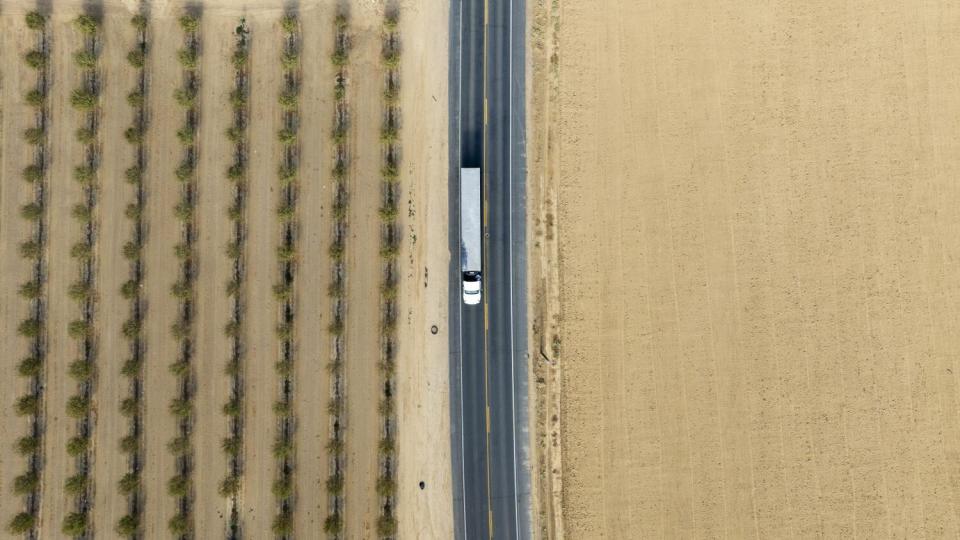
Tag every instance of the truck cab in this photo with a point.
(471, 288)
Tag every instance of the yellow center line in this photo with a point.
(486, 293)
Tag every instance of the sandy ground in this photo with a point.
(758, 231)
(262, 382)
(363, 277)
(65, 154)
(115, 229)
(313, 315)
(215, 194)
(15, 80)
(422, 357)
(422, 374)
(161, 270)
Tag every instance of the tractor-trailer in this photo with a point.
(471, 235)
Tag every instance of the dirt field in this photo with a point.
(758, 220)
(423, 445)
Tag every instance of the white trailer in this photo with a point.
(471, 235)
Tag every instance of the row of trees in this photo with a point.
(340, 58)
(389, 246)
(86, 100)
(283, 487)
(132, 405)
(33, 328)
(236, 249)
(180, 485)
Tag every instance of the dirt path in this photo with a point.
(15, 80)
(213, 305)
(422, 361)
(160, 269)
(758, 294)
(363, 275)
(314, 348)
(112, 310)
(63, 193)
(262, 387)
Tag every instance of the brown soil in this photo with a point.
(214, 307)
(363, 276)
(313, 274)
(15, 80)
(757, 224)
(63, 192)
(262, 382)
(422, 375)
(422, 357)
(161, 268)
(114, 230)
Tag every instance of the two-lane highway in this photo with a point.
(488, 349)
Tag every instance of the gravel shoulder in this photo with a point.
(422, 357)
(113, 231)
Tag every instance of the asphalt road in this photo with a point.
(488, 352)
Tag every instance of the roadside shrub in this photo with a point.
(232, 408)
(183, 210)
(185, 97)
(27, 405)
(289, 60)
(232, 446)
(81, 251)
(186, 135)
(180, 329)
(333, 524)
(240, 59)
(386, 486)
(179, 368)
(287, 136)
(282, 409)
(84, 173)
(83, 99)
(179, 446)
(282, 487)
(130, 328)
(131, 367)
(30, 290)
(135, 98)
(81, 213)
(289, 99)
(282, 448)
(335, 484)
(129, 407)
(133, 135)
(29, 328)
(185, 170)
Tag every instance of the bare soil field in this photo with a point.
(422, 447)
(757, 222)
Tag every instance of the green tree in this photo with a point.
(86, 24)
(139, 22)
(85, 59)
(136, 58)
(189, 23)
(26, 483)
(34, 98)
(22, 523)
(78, 406)
(27, 445)
(35, 21)
(76, 484)
(33, 173)
(77, 445)
(27, 404)
(75, 524)
(34, 135)
(128, 525)
(36, 59)
(178, 485)
(179, 524)
(129, 483)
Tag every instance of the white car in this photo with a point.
(471, 292)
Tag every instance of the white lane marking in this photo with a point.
(463, 442)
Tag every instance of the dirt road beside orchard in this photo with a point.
(758, 224)
(63, 192)
(422, 357)
(161, 268)
(15, 116)
(114, 229)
